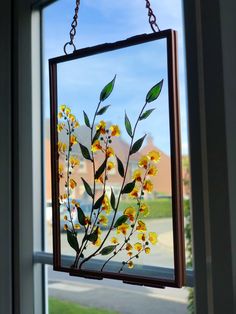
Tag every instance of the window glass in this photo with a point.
(105, 21)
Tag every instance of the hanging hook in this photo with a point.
(66, 46)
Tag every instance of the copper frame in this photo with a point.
(177, 203)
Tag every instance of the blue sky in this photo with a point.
(108, 21)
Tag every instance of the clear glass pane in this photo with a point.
(80, 83)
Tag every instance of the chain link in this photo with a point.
(73, 28)
(152, 18)
(151, 15)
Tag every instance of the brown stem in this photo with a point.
(94, 223)
(118, 201)
(68, 183)
(68, 177)
(83, 244)
(132, 257)
(104, 185)
(132, 230)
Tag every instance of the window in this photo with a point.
(50, 14)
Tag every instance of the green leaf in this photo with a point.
(120, 167)
(137, 145)
(146, 114)
(85, 151)
(128, 187)
(107, 90)
(87, 188)
(72, 240)
(102, 110)
(98, 203)
(154, 92)
(113, 199)
(96, 136)
(92, 237)
(108, 249)
(100, 170)
(122, 219)
(128, 126)
(81, 216)
(86, 120)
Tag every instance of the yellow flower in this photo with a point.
(138, 246)
(141, 226)
(148, 186)
(66, 227)
(123, 228)
(76, 124)
(154, 155)
(130, 212)
(144, 209)
(74, 161)
(115, 130)
(134, 193)
(100, 179)
(98, 242)
(60, 115)
(130, 253)
(67, 111)
(63, 197)
(61, 147)
(128, 247)
(77, 226)
(103, 220)
(74, 202)
(147, 250)
(99, 231)
(152, 171)
(62, 108)
(114, 240)
(143, 162)
(110, 165)
(73, 140)
(87, 221)
(142, 236)
(153, 237)
(110, 152)
(137, 175)
(61, 170)
(96, 146)
(71, 117)
(101, 127)
(106, 204)
(60, 127)
(65, 218)
(73, 184)
(130, 264)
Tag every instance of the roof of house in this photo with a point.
(121, 147)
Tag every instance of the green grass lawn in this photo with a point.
(65, 307)
(159, 208)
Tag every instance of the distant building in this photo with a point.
(162, 182)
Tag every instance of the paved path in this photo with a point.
(113, 295)
(123, 298)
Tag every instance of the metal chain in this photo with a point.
(73, 28)
(152, 18)
(151, 15)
